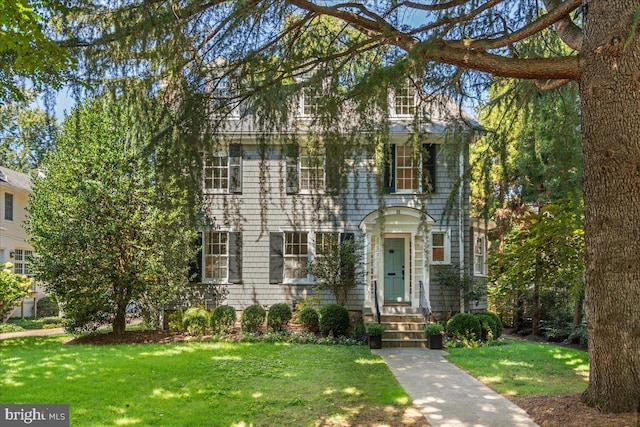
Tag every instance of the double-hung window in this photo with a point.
(223, 171)
(480, 254)
(305, 168)
(8, 206)
(22, 262)
(296, 255)
(216, 256)
(410, 170)
(440, 247)
(405, 100)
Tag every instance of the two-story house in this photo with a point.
(15, 189)
(269, 208)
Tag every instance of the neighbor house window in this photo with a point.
(296, 255)
(310, 100)
(440, 247)
(8, 206)
(22, 262)
(480, 255)
(223, 171)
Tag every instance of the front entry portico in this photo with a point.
(396, 257)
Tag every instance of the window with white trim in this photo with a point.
(216, 172)
(309, 101)
(407, 170)
(296, 254)
(405, 100)
(22, 262)
(312, 168)
(222, 172)
(8, 207)
(440, 247)
(480, 254)
(406, 173)
(216, 256)
(326, 242)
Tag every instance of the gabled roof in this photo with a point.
(17, 180)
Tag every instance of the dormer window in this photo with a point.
(224, 96)
(405, 100)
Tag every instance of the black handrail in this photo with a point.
(375, 291)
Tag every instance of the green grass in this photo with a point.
(39, 323)
(524, 368)
(199, 384)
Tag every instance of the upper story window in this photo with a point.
(309, 100)
(406, 171)
(440, 247)
(480, 254)
(22, 262)
(223, 171)
(225, 96)
(312, 168)
(8, 206)
(305, 168)
(405, 100)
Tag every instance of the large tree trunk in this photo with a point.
(610, 91)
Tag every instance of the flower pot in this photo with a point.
(375, 341)
(434, 342)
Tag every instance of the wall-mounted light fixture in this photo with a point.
(12, 254)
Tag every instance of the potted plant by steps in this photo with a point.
(374, 332)
(434, 333)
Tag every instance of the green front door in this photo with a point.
(393, 270)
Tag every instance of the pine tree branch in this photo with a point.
(568, 31)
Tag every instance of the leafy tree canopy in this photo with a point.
(108, 231)
(28, 49)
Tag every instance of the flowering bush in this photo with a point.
(13, 287)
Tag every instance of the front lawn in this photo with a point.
(524, 368)
(204, 383)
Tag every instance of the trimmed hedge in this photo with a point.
(464, 324)
(252, 318)
(223, 319)
(309, 318)
(334, 319)
(195, 320)
(488, 325)
(497, 333)
(278, 316)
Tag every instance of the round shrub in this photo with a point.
(495, 322)
(465, 324)
(195, 320)
(48, 307)
(279, 316)
(309, 318)
(223, 319)
(334, 319)
(488, 325)
(252, 318)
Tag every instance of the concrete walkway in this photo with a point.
(448, 396)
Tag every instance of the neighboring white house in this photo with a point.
(268, 211)
(15, 189)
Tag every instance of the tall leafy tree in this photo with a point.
(27, 134)
(28, 48)
(440, 45)
(108, 230)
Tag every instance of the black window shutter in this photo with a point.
(276, 257)
(235, 257)
(195, 266)
(346, 236)
(390, 170)
(292, 180)
(429, 168)
(235, 169)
